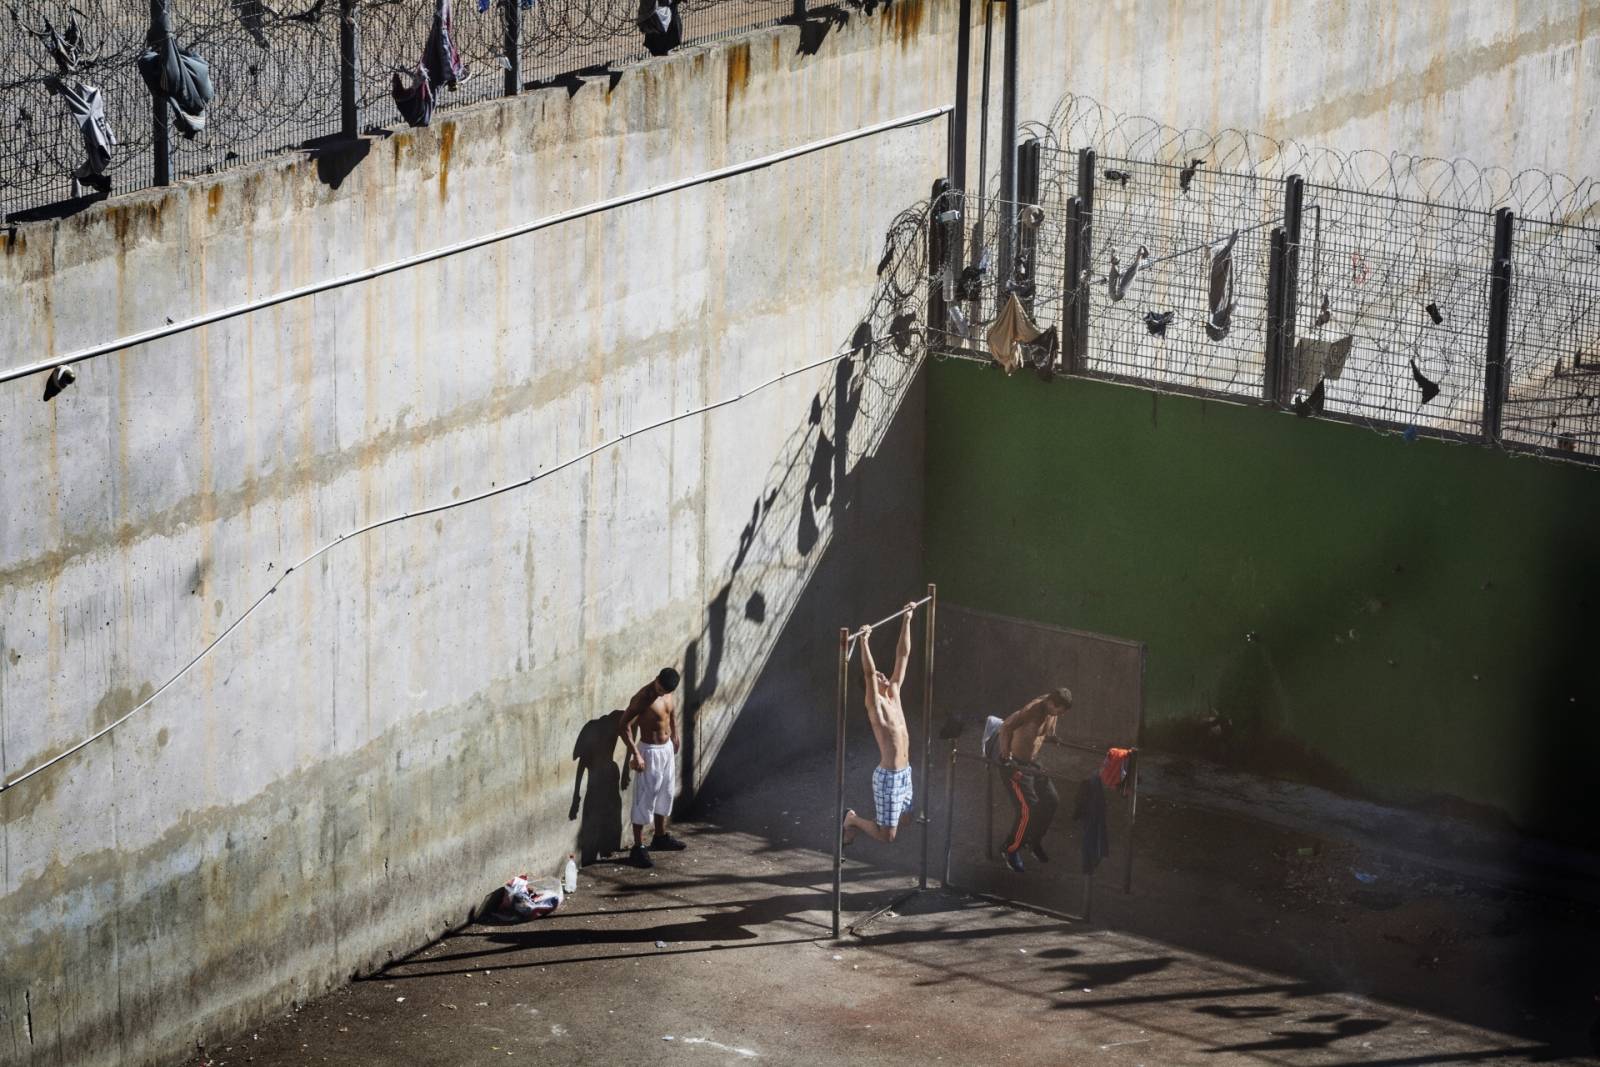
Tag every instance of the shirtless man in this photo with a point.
(1017, 747)
(891, 781)
(653, 713)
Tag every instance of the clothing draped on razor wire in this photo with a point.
(1219, 293)
(415, 91)
(89, 113)
(661, 25)
(1317, 360)
(1119, 282)
(179, 75)
(1012, 330)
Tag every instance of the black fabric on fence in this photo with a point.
(178, 74)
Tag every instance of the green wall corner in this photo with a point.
(1412, 621)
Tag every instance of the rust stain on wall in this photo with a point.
(16, 242)
(738, 72)
(447, 145)
(214, 200)
(905, 20)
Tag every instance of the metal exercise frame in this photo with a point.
(847, 640)
(988, 825)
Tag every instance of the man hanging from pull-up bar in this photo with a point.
(891, 781)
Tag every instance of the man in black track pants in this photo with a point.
(1016, 746)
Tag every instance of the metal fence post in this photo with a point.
(1028, 193)
(1294, 191)
(161, 131)
(1273, 378)
(349, 70)
(838, 783)
(1494, 364)
(799, 10)
(513, 46)
(927, 722)
(939, 248)
(1072, 292)
(1087, 161)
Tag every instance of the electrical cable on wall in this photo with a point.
(172, 329)
(403, 516)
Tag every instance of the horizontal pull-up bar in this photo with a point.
(998, 765)
(913, 607)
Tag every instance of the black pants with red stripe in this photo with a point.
(1034, 797)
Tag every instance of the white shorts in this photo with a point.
(656, 785)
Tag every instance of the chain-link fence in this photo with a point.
(286, 73)
(1206, 265)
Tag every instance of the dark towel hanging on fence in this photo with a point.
(661, 25)
(1219, 300)
(178, 74)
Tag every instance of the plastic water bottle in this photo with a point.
(569, 874)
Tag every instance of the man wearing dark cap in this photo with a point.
(653, 715)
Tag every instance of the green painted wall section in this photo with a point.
(1422, 614)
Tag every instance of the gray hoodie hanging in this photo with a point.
(178, 74)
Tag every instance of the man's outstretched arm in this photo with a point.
(868, 669)
(902, 654)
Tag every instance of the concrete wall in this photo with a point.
(1507, 85)
(1412, 621)
(392, 733)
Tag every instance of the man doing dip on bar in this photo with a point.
(1033, 794)
(891, 781)
(653, 712)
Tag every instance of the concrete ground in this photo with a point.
(723, 954)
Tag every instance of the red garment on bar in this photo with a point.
(1114, 771)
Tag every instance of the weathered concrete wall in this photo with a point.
(1507, 85)
(392, 732)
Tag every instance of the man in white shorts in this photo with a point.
(653, 714)
(891, 780)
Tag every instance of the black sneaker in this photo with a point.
(1014, 861)
(666, 843)
(1038, 853)
(639, 857)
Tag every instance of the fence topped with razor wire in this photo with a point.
(1412, 295)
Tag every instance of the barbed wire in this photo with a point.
(1390, 320)
(276, 68)
(1079, 121)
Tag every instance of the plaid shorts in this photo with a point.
(891, 795)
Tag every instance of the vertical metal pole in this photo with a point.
(958, 130)
(1494, 364)
(1008, 141)
(983, 105)
(1294, 191)
(988, 809)
(1133, 813)
(1274, 378)
(838, 781)
(513, 46)
(1028, 161)
(1071, 292)
(927, 724)
(161, 142)
(949, 813)
(799, 13)
(349, 71)
(1087, 161)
